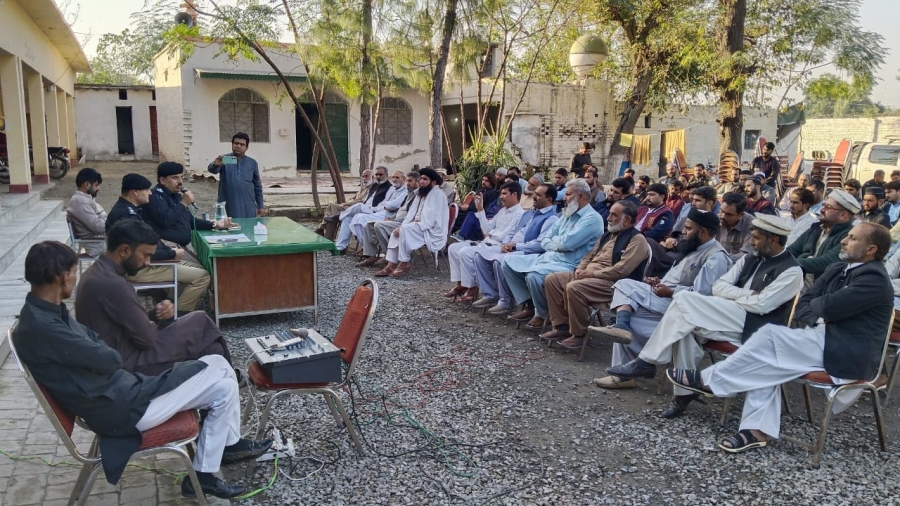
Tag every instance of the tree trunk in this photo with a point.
(633, 108)
(365, 135)
(365, 109)
(731, 89)
(435, 121)
(313, 169)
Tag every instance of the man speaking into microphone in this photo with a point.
(168, 213)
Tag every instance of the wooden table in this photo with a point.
(272, 274)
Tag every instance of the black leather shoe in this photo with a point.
(678, 406)
(245, 449)
(217, 488)
(637, 368)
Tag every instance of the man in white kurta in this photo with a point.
(845, 314)
(497, 231)
(533, 228)
(568, 241)
(640, 305)
(762, 283)
(389, 206)
(798, 216)
(371, 239)
(425, 224)
(369, 207)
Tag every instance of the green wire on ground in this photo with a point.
(438, 443)
(267, 487)
(75, 464)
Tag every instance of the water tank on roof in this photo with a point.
(586, 53)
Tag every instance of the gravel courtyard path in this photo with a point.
(458, 408)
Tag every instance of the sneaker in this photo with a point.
(484, 302)
(499, 310)
(614, 382)
(616, 334)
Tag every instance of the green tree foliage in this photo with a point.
(127, 57)
(829, 96)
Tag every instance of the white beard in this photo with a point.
(615, 229)
(570, 209)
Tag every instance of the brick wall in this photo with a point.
(825, 134)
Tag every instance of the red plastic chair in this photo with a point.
(351, 338)
(173, 436)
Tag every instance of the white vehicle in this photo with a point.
(868, 157)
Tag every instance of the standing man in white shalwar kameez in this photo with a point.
(757, 290)
(845, 316)
(640, 305)
(425, 224)
(568, 241)
(497, 231)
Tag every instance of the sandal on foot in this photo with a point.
(744, 440)
(694, 383)
(572, 343)
(555, 335)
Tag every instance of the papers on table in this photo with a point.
(227, 239)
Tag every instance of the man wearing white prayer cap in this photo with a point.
(841, 325)
(820, 246)
(758, 289)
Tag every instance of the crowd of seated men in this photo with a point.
(680, 263)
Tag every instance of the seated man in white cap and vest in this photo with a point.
(640, 305)
(844, 318)
(757, 290)
(820, 246)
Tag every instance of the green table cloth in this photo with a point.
(284, 237)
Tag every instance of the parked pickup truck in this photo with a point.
(868, 157)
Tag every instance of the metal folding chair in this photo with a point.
(821, 379)
(723, 349)
(454, 210)
(174, 436)
(156, 285)
(81, 246)
(351, 338)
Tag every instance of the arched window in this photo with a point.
(243, 110)
(395, 122)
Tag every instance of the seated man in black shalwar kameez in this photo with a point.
(108, 304)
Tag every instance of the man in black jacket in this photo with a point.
(168, 213)
(191, 276)
(86, 377)
(845, 315)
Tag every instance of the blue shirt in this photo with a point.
(240, 187)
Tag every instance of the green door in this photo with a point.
(338, 129)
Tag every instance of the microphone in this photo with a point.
(193, 204)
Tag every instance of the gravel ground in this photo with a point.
(457, 408)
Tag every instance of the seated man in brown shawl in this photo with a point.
(107, 303)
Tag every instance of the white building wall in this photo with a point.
(396, 157)
(169, 107)
(95, 115)
(20, 36)
(187, 111)
(701, 133)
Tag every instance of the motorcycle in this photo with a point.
(58, 156)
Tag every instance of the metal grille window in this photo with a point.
(395, 123)
(243, 110)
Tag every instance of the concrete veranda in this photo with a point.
(26, 432)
